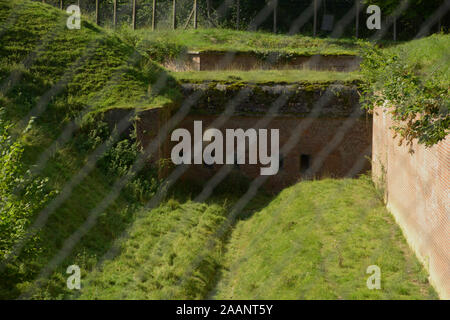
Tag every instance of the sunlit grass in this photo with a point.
(233, 40)
(266, 76)
(315, 241)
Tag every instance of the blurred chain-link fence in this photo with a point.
(321, 15)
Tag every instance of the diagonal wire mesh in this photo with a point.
(183, 111)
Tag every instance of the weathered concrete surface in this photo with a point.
(339, 100)
(335, 147)
(417, 190)
(214, 60)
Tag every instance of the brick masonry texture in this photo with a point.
(416, 190)
(216, 60)
(347, 153)
(335, 143)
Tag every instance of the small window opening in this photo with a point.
(236, 165)
(210, 166)
(281, 162)
(305, 163)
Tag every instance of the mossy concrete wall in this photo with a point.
(213, 60)
(301, 100)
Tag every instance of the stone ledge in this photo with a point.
(342, 100)
(218, 60)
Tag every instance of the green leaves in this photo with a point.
(21, 195)
(419, 104)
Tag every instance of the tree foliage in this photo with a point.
(21, 194)
(418, 100)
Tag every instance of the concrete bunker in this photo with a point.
(218, 60)
(322, 130)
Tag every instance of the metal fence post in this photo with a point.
(315, 18)
(238, 13)
(96, 12)
(357, 18)
(174, 18)
(154, 16)
(195, 14)
(275, 7)
(115, 13)
(395, 28)
(133, 15)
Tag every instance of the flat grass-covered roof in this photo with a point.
(247, 41)
(266, 76)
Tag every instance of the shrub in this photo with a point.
(22, 195)
(417, 95)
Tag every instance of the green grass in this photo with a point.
(100, 69)
(430, 57)
(315, 241)
(168, 44)
(156, 256)
(97, 71)
(266, 76)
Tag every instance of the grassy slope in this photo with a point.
(315, 241)
(163, 244)
(97, 64)
(232, 40)
(430, 57)
(98, 67)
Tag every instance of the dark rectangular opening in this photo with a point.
(305, 162)
(281, 162)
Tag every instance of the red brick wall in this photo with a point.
(416, 188)
(344, 156)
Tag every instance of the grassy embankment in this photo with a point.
(245, 41)
(414, 78)
(267, 77)
(166, 45)
(314, 240)
(53, 78)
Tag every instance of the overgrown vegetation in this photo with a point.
(21, 194)
(55, 82)
(155, 261)
(413, 79)
(164, 44)
(267, 77)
